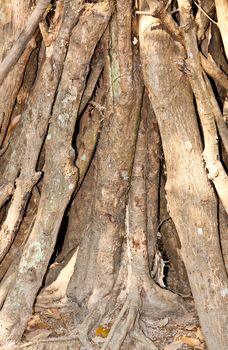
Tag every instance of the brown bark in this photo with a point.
(222, 14)
(223, 224)
(103, 171)
(202, 21)
(191, 200)
(24, 37)
(55, 194)
(114, 159)
(216, 171)
(177, 279)
(152, 165)
(36, 120)
(142, 294)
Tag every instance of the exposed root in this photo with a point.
(58, 304)
(126, 323)
(49, 340)
(96, 313)
(142, 339)
(120, 327)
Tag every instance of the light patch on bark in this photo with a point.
(224, 292)
(199, 230)
(188, 146)
(83, 157)
(57, 289)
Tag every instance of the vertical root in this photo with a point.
(116, 338)
(122, 327)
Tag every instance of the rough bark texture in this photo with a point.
(55, 195)
(113, 163)
(177, 279)
(152, 165)
(186, 179)
(222, 13)
(84, 220)
(19, 45)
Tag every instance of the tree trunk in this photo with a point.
(54, 199)
(83, 127)
(191, 199)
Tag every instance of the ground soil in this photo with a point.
(167, 334)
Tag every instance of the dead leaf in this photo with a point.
(54, 313)
(199, 334)
(102, 332)
(33, 321)
(41, 325)
(37, 334)
(174, 346)
(163, 322)
(190, 327)
(189, 341)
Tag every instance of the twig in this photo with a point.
(205, 13)
(20, 44)
(146, 13)
(168, 4)
(214, 71)
(162, 222)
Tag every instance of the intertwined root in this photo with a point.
(127, 322)
(123, 323)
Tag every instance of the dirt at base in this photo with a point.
(54, 329)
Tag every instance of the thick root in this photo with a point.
(141, 295)
(121, 327)
(128, 325)
(54, 343)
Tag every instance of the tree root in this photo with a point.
(122, 327)
(143, 340)
(116, 338)
(49, 340)
(127, 321)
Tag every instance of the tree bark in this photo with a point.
(113, 162)
(81, 168)
(191, 199)
(55, 195)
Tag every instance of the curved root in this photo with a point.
(121, 327)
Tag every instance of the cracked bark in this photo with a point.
(186, 179)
